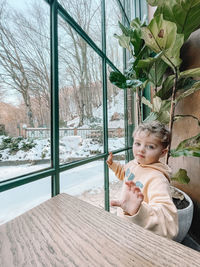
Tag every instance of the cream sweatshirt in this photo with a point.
(157, 212)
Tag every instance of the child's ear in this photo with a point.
(164, 151)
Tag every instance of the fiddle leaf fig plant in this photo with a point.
(161, 36)
(185, 14)
(155, 60)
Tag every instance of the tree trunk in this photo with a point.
(27, 102)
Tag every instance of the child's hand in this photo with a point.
(131, 199)
(110, 159)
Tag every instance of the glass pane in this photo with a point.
(80, 93)
(113, 49)
(24, 85)
(116, 132)
(16, 201)
(9, 169)
(131, 115)
(85, 182)
(87, 13)
(115, 184)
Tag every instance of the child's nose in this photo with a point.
(142, 148)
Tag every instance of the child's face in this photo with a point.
(147, 148)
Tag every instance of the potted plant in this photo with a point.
(155, 64)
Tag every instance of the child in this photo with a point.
(145, 198)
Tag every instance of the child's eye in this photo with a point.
(136, 143)
(150, 147)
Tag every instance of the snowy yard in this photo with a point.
(74, 182)
(20, 157)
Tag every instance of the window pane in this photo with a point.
(130, 115)
(115, 184)
(116, 132)
(113, 49)
(86, 182)
(80, 93)
(16, 201)
(87, 13)
(24, 85)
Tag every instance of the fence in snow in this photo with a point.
(83, 132)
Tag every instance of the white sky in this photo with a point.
(20, 4)
(13, 97)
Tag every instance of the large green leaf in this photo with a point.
(181, 177)
(195, 87)
(156, 72)
(194, 73)
(118, 79)
(147, 102)
(184, 13)
(187, 152)
(124, 41)
(154, 67)
(148, 62)
(166, 105)
(160, 105)
(164, 117)
(189, 147)
(192, 141)
(157, 102)
(125, 30)
(137, 23)
(166, 90)
(164, 111)
(161, 35)
(137, 41)
(151, 117)
(121, 81)
(131, 35)
(156, 2)
(187, 85)
(160, 110)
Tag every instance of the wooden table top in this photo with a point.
(65, 231)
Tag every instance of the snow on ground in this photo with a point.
(75, 181)
(7, 172)
(71, 147)
(116, 105)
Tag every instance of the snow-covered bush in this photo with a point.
(14, 144)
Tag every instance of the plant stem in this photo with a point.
(156, 79)
(172, 111)
(138, 95)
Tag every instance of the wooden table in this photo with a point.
(65, 231)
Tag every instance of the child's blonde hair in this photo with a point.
(157, 128)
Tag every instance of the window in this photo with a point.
(59, 114)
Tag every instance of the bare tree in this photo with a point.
(25, 60)
(35, 42)
(14, 74)
(25, 57)
(76, 56)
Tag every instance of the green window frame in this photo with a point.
(139, 8)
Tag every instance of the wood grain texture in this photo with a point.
(65, 231)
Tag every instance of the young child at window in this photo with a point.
(145, 198)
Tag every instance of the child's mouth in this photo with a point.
(140, 156)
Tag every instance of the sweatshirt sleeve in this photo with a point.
(159, 215)
(118, 169)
